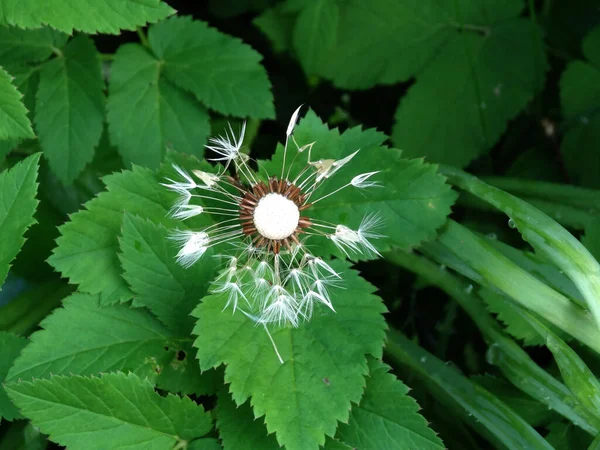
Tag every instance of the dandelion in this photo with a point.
(262, 228)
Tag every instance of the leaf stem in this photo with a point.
(142, 36)
(503, 352)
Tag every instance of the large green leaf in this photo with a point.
(10, 347)
(18, 188)
(223, 72)
(21, 46)
(14, 123)
(387, 417)
(86, 251)
(89, 16)
(147, 114)
(113, 411)
(170, 291)
(239, 429)
(580, 99)
(324, 364)
(359, 44)
(84, 338)
(69, 113)
(413, 199)
(452, 119)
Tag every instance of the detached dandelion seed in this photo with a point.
(262, 229)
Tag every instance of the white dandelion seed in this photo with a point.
(269, 274)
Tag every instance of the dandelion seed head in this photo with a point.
(261, 226)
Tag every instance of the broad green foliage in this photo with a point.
(239, 429)
(13, 114)
(387, 417)
(18, 189)
(168, 290)
(147, 114)
(86, 252)
(233, 82)
(467, 109)
(10, 347)
(19, 46)
(69, 113)
(413, 199)
(84, 338)
(90, 16)
(112, 411)
(324, 365)
(475, 45)
(580, 99)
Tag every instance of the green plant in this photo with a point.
(183, 268)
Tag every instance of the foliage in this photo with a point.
(465, 132)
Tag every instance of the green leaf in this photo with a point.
(591, 239)
(510, 315)
(277, 25)
(566, 436)
(69, 113)
(113, 411)
(239, 429)
(452, 119)
(580, 99)
(90, 16)
(84, 338)
(86, 251)
(387, 417)
(535, 413)
(21, 46)
(18, 188)
(13, 114)
(167, 289)
(413, 199)
(356, 50)
(475, 405)
(315, 34)
(147, 114)
(10, 347)
(324, 365)
(232, 80)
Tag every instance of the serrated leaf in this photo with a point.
(454, 118)
(89, 16)
(14, 123)
(413, 199)
(86, 251)
(113, 411)
(149, 264)
(239, 429)
(18, 189)
(147, 114)
(84, 338)
(324, 360)
(69, 113)
(21, 46)
(221, 71)
(358, 55)
(387, 417)
(580, 99)
(10, 347)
